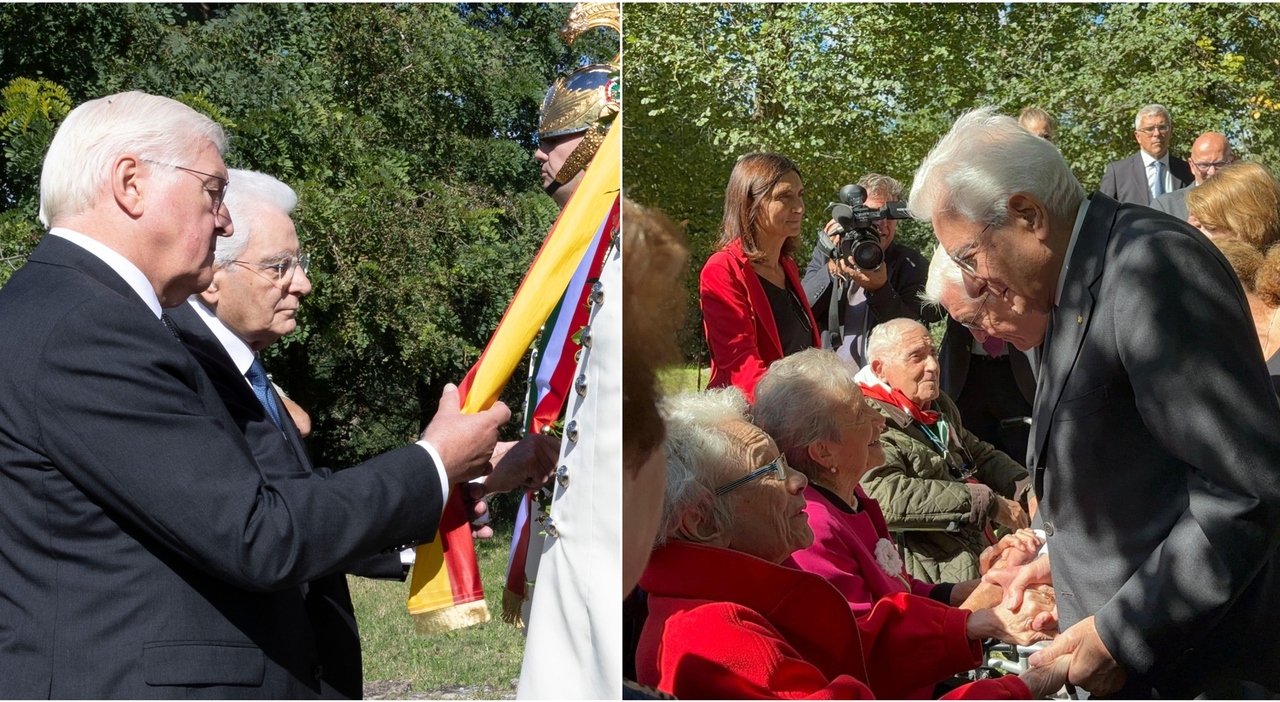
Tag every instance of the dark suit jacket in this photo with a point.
(283, 456)
(1126, 179)
(900, 297)
(1156, 453)
(1174, 203)
(143, 552)
(957, 350)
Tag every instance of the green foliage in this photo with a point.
(407, 131)
(846, 89)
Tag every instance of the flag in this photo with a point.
(445, 592)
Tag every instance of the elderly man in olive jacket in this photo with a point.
(941, 488)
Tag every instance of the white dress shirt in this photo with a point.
(1147, 160)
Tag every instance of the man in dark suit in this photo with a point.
(1154, 429)
(1210, 152)
(1151, 172)
(992, 381)
(145, 553)
(848, 302)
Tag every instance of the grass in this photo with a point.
(484, 654)
(677, 379)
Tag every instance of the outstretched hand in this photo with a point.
(465, 442)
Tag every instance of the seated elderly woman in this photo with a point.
(810, 403)
(726, 620)
(941, 486)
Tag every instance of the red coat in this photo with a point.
(726, 625)
(737, 319)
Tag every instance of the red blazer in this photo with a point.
(726, 625)
(737, 319)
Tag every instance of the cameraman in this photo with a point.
(849, 302)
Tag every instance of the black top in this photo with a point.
(790, 317)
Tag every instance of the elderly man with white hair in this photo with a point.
(145, 552)
(1154, 440)
(943, 489)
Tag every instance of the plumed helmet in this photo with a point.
(587, 100)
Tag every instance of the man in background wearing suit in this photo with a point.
(1151, 172)
(1153, 440)
(1210, 152)
(144, 552)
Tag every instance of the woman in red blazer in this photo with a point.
(754, 310)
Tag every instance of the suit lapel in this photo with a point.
(1140, 177)
(1072, 316)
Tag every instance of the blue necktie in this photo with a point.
(1158, 189)
(257, 376)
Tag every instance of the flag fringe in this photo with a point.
(512, 603)
(438, 621)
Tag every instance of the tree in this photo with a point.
(846, 89)
(407, 131)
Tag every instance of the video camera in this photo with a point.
(859, 239)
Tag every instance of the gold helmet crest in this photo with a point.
(588, 99)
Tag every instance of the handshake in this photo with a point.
(1017, 592)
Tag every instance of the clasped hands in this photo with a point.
(469, 448)
(1088, 663)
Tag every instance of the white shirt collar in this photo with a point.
(1148, 159)
(240, 353)
(1071, 248)
(121, 265)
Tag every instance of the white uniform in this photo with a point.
(574, 651)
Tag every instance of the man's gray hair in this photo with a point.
(699, 452)
(875, 183)
(797, 400)
(944, 275)
(885, 342)
(77, 168)
(982, 162)
(1150, 110)
(249, 195)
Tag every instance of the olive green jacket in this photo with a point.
(938, 517)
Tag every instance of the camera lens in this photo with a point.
(868, 255)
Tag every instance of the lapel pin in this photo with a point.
(1080, 319)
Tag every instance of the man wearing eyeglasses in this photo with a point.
(1210, 152)
(1151, 172)
(146, 552)
(1154, 440)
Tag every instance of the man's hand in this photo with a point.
(465, 442)
(1035, 619)
(1046, 681)
(1015, 580)
(1010, 514)
(1091, 665)
(870, 281)
(1013, 550)
(476, 508)
(528, 463)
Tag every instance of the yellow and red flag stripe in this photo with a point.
(445, 591)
